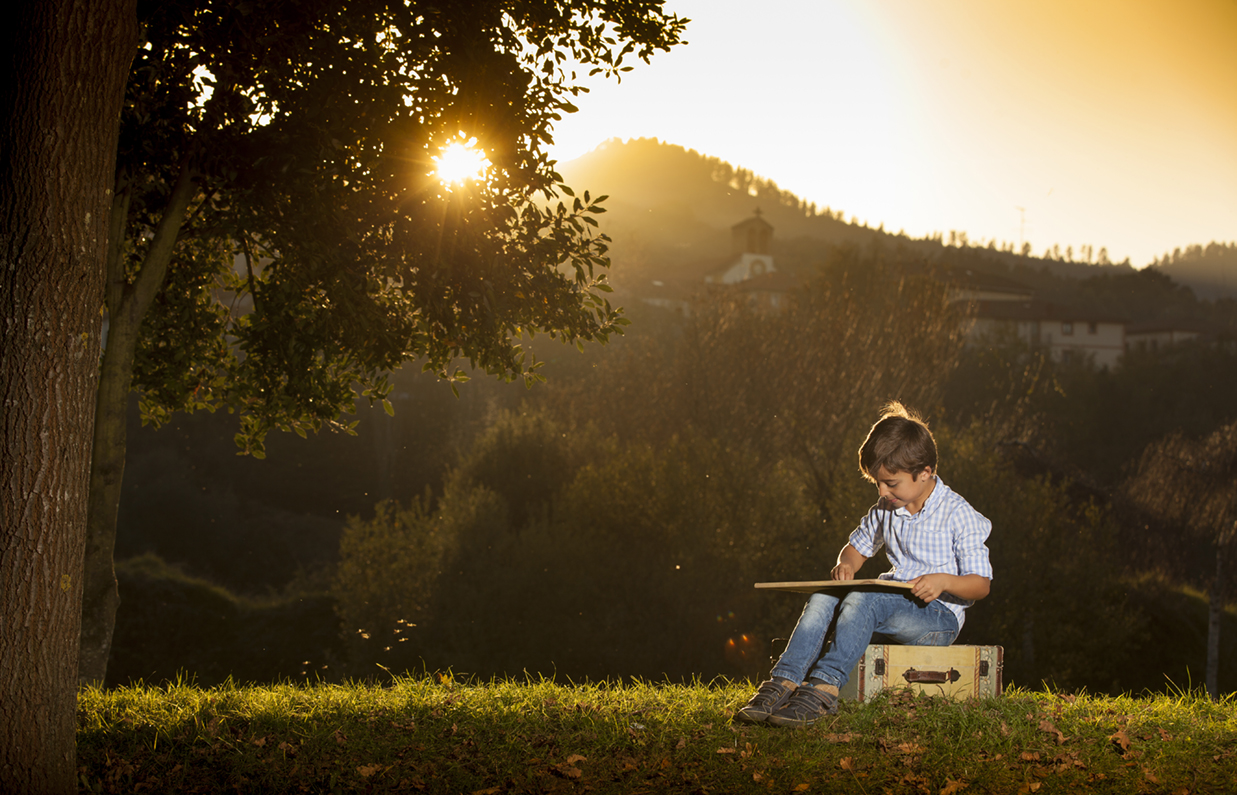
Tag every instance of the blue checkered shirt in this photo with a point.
(946, 535)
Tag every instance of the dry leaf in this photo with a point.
(1165, 736)
(801, 788)
(1152, 777)
(1031, 786)
(952, 786)
(368, 770)
(260, 742)
(1047, 726)
(757, 777)
(340, 737)
(576, 758)
(846, 763)
(1004, 729)
(1122, 741)
(682, 743)
(725, 750)
(490, 791)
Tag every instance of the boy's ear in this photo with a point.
(926, 472)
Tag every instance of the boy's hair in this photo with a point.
(899, 441)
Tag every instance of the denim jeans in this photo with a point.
(863, 617)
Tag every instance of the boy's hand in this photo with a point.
(849, 562)
(928, 587)
(842, 571)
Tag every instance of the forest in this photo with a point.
(610, 522)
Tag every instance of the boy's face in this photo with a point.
(905, 489)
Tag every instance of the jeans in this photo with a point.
(862, 617)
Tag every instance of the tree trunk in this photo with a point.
(66, 66)
(127, 304)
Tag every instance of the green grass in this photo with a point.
(433, 734)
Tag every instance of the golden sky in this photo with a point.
(1108, 122)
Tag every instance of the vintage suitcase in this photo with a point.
(954, 671)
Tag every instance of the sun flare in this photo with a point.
(462, 161)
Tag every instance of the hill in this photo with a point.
(671, 208)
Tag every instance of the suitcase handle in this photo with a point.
(931, 677)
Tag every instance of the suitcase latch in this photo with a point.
(931, 677)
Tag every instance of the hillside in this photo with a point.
(670, 209)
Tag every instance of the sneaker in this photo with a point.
(771, 695)
(804, 707)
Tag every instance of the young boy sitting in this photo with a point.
(935, 542)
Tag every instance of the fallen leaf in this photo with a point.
(801, 788)
(340, 737)
(1121, 740)
(1030, 786)
(846, 763)
(1150, 776)
(1165, 736)
(757, 777)
(1029, 756)
(287, 747)
(368, 770)
(840, 738)
(725, 750)
(1047, 726)
(1004, 729)
(490, 791)
(682, 743)
(952, 786)
(260, 742)
(576, 758)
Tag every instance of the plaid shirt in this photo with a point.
(947, 535)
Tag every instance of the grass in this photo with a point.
(435, 734)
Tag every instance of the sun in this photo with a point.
(461, 161)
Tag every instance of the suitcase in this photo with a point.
(954, 671)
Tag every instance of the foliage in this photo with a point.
(299, 139)
(389, 565)
(641, 564)
(441, 735)
(169, 622)
(1058, 604)
(802, 384)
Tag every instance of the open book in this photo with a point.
(812, 586)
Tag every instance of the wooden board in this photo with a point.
(812, 586)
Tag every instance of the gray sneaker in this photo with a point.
(771, 696)
(805, 706)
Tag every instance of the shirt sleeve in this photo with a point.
(970, 531)
(869, 536)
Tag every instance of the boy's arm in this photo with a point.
(968, 586)
(849, 562)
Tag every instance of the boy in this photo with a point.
(934, 540)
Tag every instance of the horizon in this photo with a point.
(1103, 123)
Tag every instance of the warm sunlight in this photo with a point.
(461, 161)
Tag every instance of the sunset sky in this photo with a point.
(1109, 122)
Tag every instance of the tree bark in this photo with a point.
(66, 64)
(127, 304)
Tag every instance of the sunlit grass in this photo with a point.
(435, 734)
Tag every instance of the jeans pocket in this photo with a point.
(941, 638)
